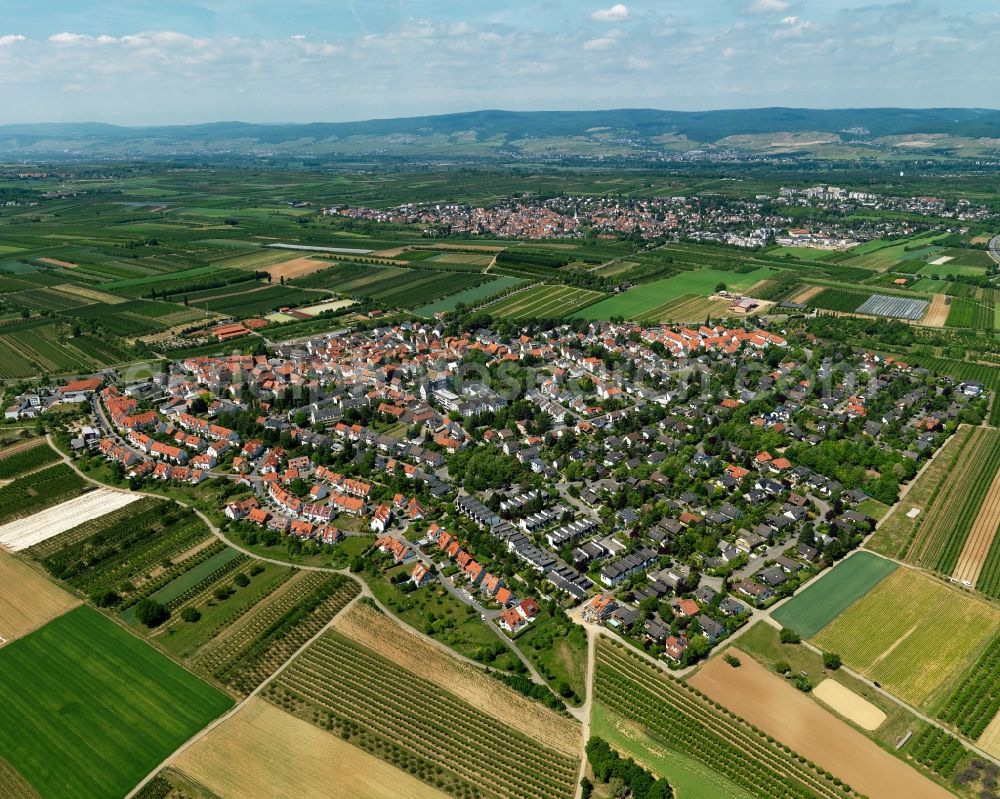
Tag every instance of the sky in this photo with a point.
(134, 62)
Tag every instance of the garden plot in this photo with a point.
(24, 533)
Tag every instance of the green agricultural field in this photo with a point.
(543, 302)
(912, 633)
(950, 268)
(813, 608)
(647, 300)
(799, 253)
(469, 296)
(89, 709)
(689, 778)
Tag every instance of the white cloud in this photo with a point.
(11, 38)
(603, 43)
(105, 39)
(792, 28)
(768, 6)
(617, 13)
(67, 38)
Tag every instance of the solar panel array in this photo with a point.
(898, 307)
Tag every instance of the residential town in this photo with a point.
(749, 223)
(667, 482)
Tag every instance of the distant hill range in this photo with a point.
(539, 135)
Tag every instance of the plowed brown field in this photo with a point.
(771, 703)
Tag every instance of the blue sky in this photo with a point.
(181, 61)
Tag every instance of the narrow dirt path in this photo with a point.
(587, 707)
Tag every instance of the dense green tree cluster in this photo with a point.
(628, 777)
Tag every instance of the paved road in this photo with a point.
(994, 246)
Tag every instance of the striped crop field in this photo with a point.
(544, 302)
(912, 633)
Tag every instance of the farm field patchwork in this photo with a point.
(470, 296)
(895, 635)
(27, 598)
(543, 302)
(109, 704)
(373, 629)
(979, 543)
(776, 707)
(264, 751)
(184, 639)
(45, 524)
(387, 710)
(897, 531)
(26, 459)
(819, 603)
(263, 638)
(647, 300)
(32, 493)
(690, 778)
(674, 714)
(972, 705)
(943, 528)
(937, 313)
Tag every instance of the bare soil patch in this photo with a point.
(57, 262)
(392, 252)
(807, 294)
(984, 528)
(769, 702)
(263, 751)
(27, 598)
(297, 267)
(381, 634)
(937, 312)
(849, 705)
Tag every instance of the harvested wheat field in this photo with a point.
(27, 599)
(937, 311)
(768, 701)
(296, 267)
(263, 751)
(849, 705)
(392, 252)
(981, 536)
(378, 632)
(989, 741)
(27, 532)
(88, 293)
(464, 258)
(57, 262)
(807, 294)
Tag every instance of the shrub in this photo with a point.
(241, 580)
(782, 667)
(831, 660)
(191, 615)
(789, 636)
(223, 592)
(256, 569)
(105, 599)
(151, 613)
(732, 660)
